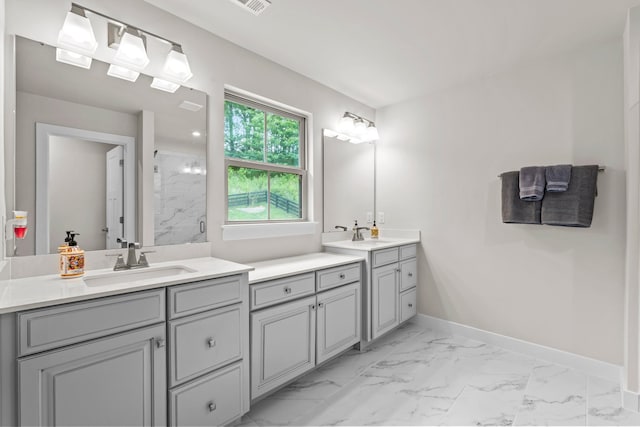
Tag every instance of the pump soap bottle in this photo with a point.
(374, 231)
(71, 257)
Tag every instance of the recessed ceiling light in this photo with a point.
(195, 133)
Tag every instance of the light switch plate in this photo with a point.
(369, 217)
(381, 217)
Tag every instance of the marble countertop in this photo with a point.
(282, 267)
(371, 244)
(42, 291)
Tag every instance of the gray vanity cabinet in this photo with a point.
(282, 344)
(290, 338)
(118, 381)
(385, 288)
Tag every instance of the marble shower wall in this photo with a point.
(179, 198)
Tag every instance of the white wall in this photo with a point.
(438, 161)
(215, 63)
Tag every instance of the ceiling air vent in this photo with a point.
(254, 6)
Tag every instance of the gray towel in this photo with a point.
(532, 183)
(558, 178)
(574, 207)
(514, 210)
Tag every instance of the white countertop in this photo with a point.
(283, 267)
(371, 244)
(42, 291)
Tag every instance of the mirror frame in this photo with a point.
(43, 132)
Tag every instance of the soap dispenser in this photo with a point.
(71, 257)
(374, 230)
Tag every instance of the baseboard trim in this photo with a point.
(631, 401)
(593, 367)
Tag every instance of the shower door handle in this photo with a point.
(202, 227)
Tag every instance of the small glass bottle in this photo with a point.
(374, 231)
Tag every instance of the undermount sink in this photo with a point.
(119, 277)
(372, 242)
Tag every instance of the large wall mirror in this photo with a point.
(349, 182)
(89, 148)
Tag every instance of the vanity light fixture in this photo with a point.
(132, 52)
(164, 85)
(195, 134)
(176, 66)
(356, 129)
(77, 45)
(76, 34)
(122, 73)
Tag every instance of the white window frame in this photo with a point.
(302, 170)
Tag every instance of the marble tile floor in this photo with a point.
(417, 376)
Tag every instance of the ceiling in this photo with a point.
(381, 52)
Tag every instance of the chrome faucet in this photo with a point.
(340, 227)
(132, 260)
(357, 235)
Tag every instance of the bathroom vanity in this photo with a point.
(304, 311)
(389, 281)
(153, 351)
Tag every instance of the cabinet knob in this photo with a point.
(320, 304)
(342, 276)
(410, 305)
(159, 342)
(211, 342)
(212, 406)
(410, 274)
(398, 270)
(313, 306)
(287, 290)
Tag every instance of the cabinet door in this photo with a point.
(408, 274)
(282, 344)
(338, 321)
(113, 381)
(384, 299)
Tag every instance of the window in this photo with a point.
(264, 151)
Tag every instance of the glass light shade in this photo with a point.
(359, 129)
(346, 125)
(176, 67)
(164, 85)
(372, 133)
(342, 137)
(355, 140)
(330, 133)
(131, 52)
(77, 35)
(72, 58)
(123, 73)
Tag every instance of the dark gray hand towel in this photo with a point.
(532, 183)
(514, 210)
(558, 177)
(574, 207)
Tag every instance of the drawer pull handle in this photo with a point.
(410, 305)
(410, 274)
(159, 342)
(342, 276)
(212, 406)
(211, 342)
(287, 290)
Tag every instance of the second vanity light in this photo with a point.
(356, 129)
(77, 44)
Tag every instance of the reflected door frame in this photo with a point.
(43, 132)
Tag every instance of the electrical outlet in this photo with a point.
(369, 217)
(381, 217)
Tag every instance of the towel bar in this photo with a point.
(600, 169)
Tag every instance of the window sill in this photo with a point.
(263, 231)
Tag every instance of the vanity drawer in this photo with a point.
(203, 342)
(214, 400)
(204, 295)
(384, 256)
(44, 329)
(338, 276)
(408, 251)
(408, 307)
(408, 274)
(280, 290)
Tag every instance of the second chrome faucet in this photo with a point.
(132, 260)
